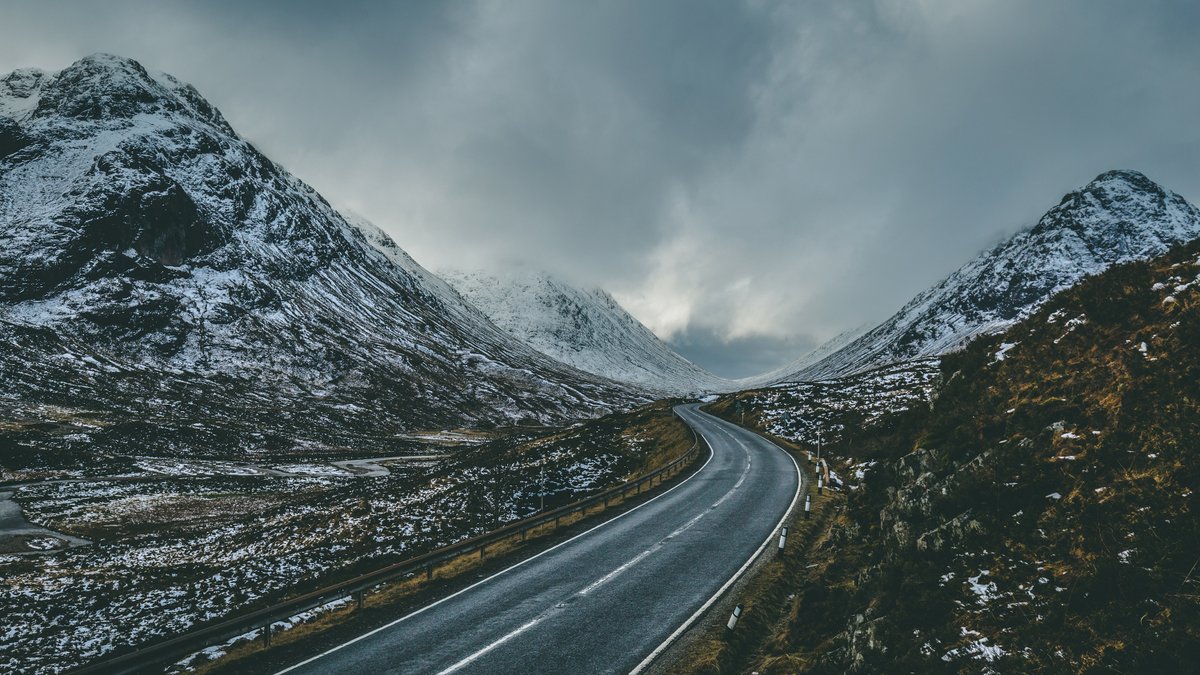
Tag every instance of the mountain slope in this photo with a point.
(585, 328)
(151, 260)
(1119, 217)
(1040, 516)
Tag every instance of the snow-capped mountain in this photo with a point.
(151, 259)
(584, 327)
(1118, 217)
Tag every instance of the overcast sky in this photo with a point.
(748, 178)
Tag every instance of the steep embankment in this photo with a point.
(1040, 516)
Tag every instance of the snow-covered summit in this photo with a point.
(584, 327)
(1118, 217)
(137, 229)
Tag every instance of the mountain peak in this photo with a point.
(584, 327)
(1128, 177)
(103, 61)
(1118, 217)
(102, 86)
(1120, 183)
(1120, 205)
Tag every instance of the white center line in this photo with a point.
(608, 577)
(736, 485)
(684, 528)
(467, 661)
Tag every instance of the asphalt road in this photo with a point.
(605, 600)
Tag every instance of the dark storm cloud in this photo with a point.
(749, 178)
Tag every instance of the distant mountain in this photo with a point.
(155, 267)
(1119, 217)
(585, 328)
(786, 372)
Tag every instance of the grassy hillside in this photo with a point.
(1040, 515)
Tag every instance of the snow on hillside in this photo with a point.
(1119, 217)
(585, 328)
(139, 231)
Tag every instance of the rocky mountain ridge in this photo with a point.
(148, 252)
(1119, 217)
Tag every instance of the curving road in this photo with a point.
(608, 599)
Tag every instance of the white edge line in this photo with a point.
(406, 617)
(721, 591)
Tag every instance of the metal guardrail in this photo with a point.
(180, 646)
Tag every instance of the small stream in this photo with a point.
(21, 537)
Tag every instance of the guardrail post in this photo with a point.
(481, 548)
(359, 599)
(267, 635)
(429, 572)
(523, 534)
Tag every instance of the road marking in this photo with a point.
(683, 528)
(736, 485)
(699, 436)
(467, 661)
(745, 472)
(608, 577)
(686, 526)
(736, 575)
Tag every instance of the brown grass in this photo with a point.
(770, 603)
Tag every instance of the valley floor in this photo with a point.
(176, 542)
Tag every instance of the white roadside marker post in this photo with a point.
(807, 506)
(782, 538)
(820, 482)
(733, 618)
